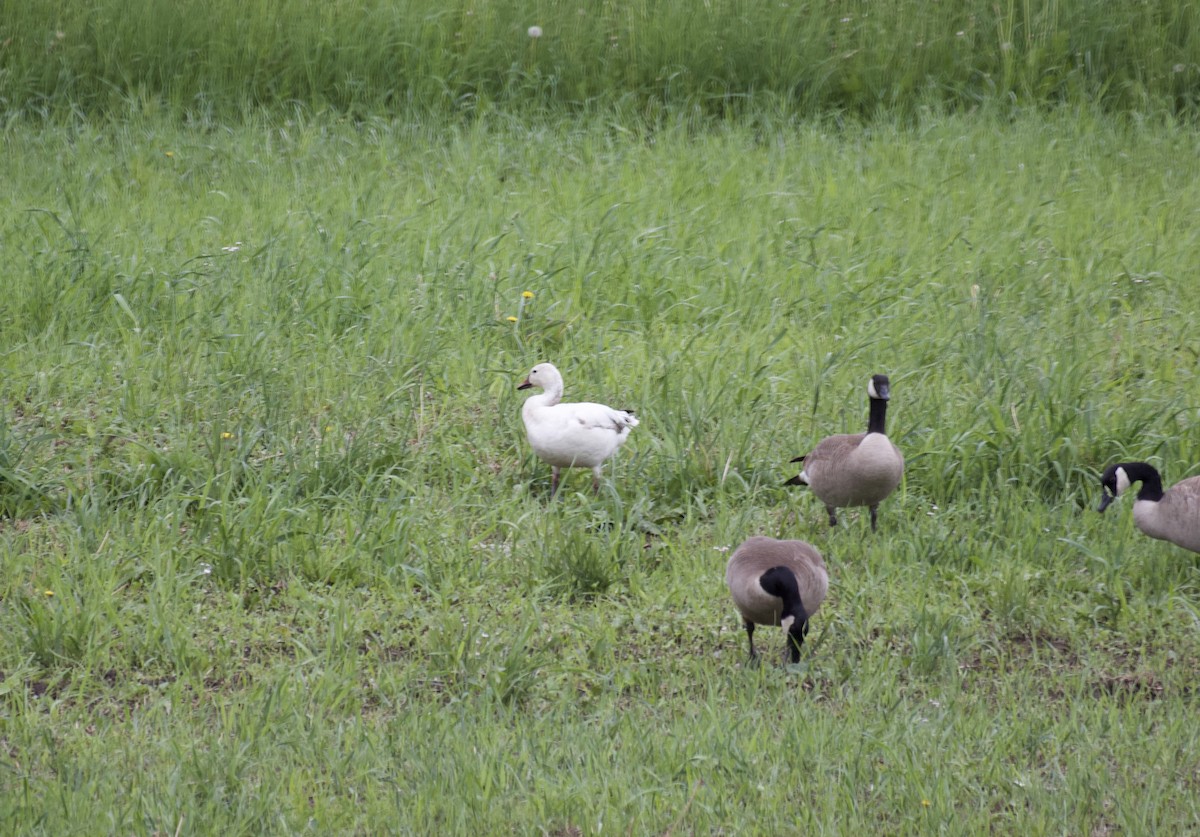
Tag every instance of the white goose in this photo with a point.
(578, 434)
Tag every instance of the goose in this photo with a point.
(859, 469)
(578, 434)
(776, 582)
(1172, 515)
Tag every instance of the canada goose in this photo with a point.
(1172, 515)
(777, 582)
(572, 435)
(859, 469)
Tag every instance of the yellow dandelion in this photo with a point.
(511, 319)
(925, 803)
(48, 593)
(169, 153)
(527, 294)
(226, 435)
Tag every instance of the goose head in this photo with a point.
(545, 376)
(796, 630)
(1116, 480)
(878, 388)
(1113, 482)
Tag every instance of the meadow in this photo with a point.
(275, 555)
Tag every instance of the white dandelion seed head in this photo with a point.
(535, 31)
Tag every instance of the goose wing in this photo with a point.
(828, 451)
(601, 416)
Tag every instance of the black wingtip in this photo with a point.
(798, 458)
(796, 481)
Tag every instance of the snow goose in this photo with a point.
(859, 469)
(777, 583)
(1172, 515)
(578, 434)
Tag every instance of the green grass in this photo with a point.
(229, 57)
(275, 555)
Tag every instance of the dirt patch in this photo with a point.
(1138, 684)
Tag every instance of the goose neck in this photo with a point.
(1151, 489)
(878, 416)
(547, 398)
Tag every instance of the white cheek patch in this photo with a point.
(1122, 481)
(787, 621)
(871, 391)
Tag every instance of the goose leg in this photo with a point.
(832, 515)
(874, 512)
(596, 480)
(554, 472)
(750, 639)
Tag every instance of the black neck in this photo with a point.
(779, 581)
(1151, 481)
(878, 415)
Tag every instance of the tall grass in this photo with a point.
(274, 554)
(225, 58)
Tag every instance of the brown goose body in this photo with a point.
(777, 582)
(859, 469)
(1172, 515)
(855, 469)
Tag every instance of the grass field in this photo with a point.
(226, 58)
(276, 556)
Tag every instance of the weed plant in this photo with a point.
(275, 555)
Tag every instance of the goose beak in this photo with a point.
(524, 384)
(1108, 498)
